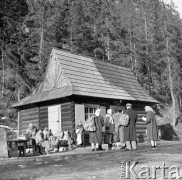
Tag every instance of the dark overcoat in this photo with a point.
(152, 128)
(130, 129)
(96, 137)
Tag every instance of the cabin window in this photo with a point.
(89, 110)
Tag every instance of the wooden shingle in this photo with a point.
(69, 74)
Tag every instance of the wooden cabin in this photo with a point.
(74, 86)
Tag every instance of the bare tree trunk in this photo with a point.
(71, 26)
(147, 52)
(3, 69)
(171, 87)
(108, 39)
(95, 31)
(41, 36)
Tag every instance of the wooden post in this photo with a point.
(18, 128)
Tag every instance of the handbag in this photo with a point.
(108, 138)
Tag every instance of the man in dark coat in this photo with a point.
(130, 129)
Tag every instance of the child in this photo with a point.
(79, 132)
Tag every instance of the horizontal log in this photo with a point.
(29, 114)
(43, 122)
(67, 119)
(25, 126)
(67, 109)
(43, 108)
(65, 128)
(66, 123)
(28, 122)
(29, 110)
(43, 116)
(28, 118)
(71, 116)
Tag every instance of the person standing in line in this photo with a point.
(95, 137)
(130, 129)
(110, 128)
(152, 128)
(123, 115)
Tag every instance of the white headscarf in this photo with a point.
(97, 112)
(109, 111)
(148, 108)
(30, 126)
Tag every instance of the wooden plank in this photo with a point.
(140, 127)
(28, 114)
(24, 126)
(67, 119)
(42, 108)
(43, 120)
(71, 116)
(67, 123)
(66, 106)
(65, 109)
(29, 118)
(43, 117)
(29, 110)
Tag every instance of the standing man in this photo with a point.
(130, 129)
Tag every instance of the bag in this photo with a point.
(89, 124)
(108, 138)
(123, 120)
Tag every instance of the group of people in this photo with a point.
(44, 139)
(116, 131)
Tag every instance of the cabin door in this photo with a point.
(54, 118)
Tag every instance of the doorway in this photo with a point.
(54, 118)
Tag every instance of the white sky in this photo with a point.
(178, 4)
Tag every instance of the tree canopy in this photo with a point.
(144, 35)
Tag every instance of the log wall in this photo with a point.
(28, 116)
(43, 117)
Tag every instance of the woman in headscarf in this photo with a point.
(41, 142)
(96, 136)
(110, 128)
(152, 128)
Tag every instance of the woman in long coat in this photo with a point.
(95, 137)
(130, 129)
(152, 128)
(110, 128)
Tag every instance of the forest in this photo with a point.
(144, 35)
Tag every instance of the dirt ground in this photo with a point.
(108, 165)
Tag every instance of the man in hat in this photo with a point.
(130, 129)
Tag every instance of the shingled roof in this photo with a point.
(69, 74)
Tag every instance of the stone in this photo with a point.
(3, 144)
